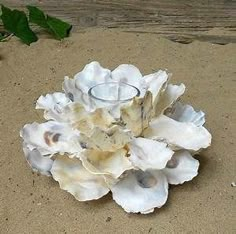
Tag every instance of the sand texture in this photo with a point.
(30, 203)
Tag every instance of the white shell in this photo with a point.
(181, 135)
(137, 114)
(76, 95)
(156, 83)
(51, 137)
(91, 75)
(169, 96)
(77, 88)
(149, 154)
(111, 139)
(102, 162)
(141, 191)
(53, 105)
(75, 179)
(85, 121)
(186, 113)
(181, 168)
(37, 161)
(129, 74)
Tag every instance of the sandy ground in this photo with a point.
(35, 204)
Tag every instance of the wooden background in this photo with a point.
(178, 20)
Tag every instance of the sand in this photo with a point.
(35, 204)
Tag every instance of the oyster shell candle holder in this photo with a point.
(117, 131)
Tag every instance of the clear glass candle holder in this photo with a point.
(112, 93)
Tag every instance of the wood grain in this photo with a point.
(178, 20)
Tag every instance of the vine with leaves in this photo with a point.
(17, 23)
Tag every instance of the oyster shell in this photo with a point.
(53, 105)
(129, 74)
(75, 94)
(51, 137)
(141, 191)
(85, 121)
(156, 83)
(181, 168)
(91, 75)
(186, 113)
(168, 97)
(137, 114)
(111, 139)
(179, 135)
(149, 154)
(37, 161)
(77, 88)
(108, 163)
(75, 179)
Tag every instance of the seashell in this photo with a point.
(37, 161)
(111, 139)
(181, 168)
(102, 162)
(53, 105)
(101, 118)
(77, 89)
(137, 114)
(74, 112)
(178, 134)
(85, 121)
(141, 191)
(77, 95)
(75, 179)
(129, 74)
(91, 75)
(186, 113)
(149, 154)
(51, 137)
(70, 90)
(168, 97)
(156, 83)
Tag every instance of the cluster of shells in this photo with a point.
(134, 149)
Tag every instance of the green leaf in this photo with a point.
(60, 28)
(16, 22)
(36, 16)
(57, 27)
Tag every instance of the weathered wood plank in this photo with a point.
(179, 20)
